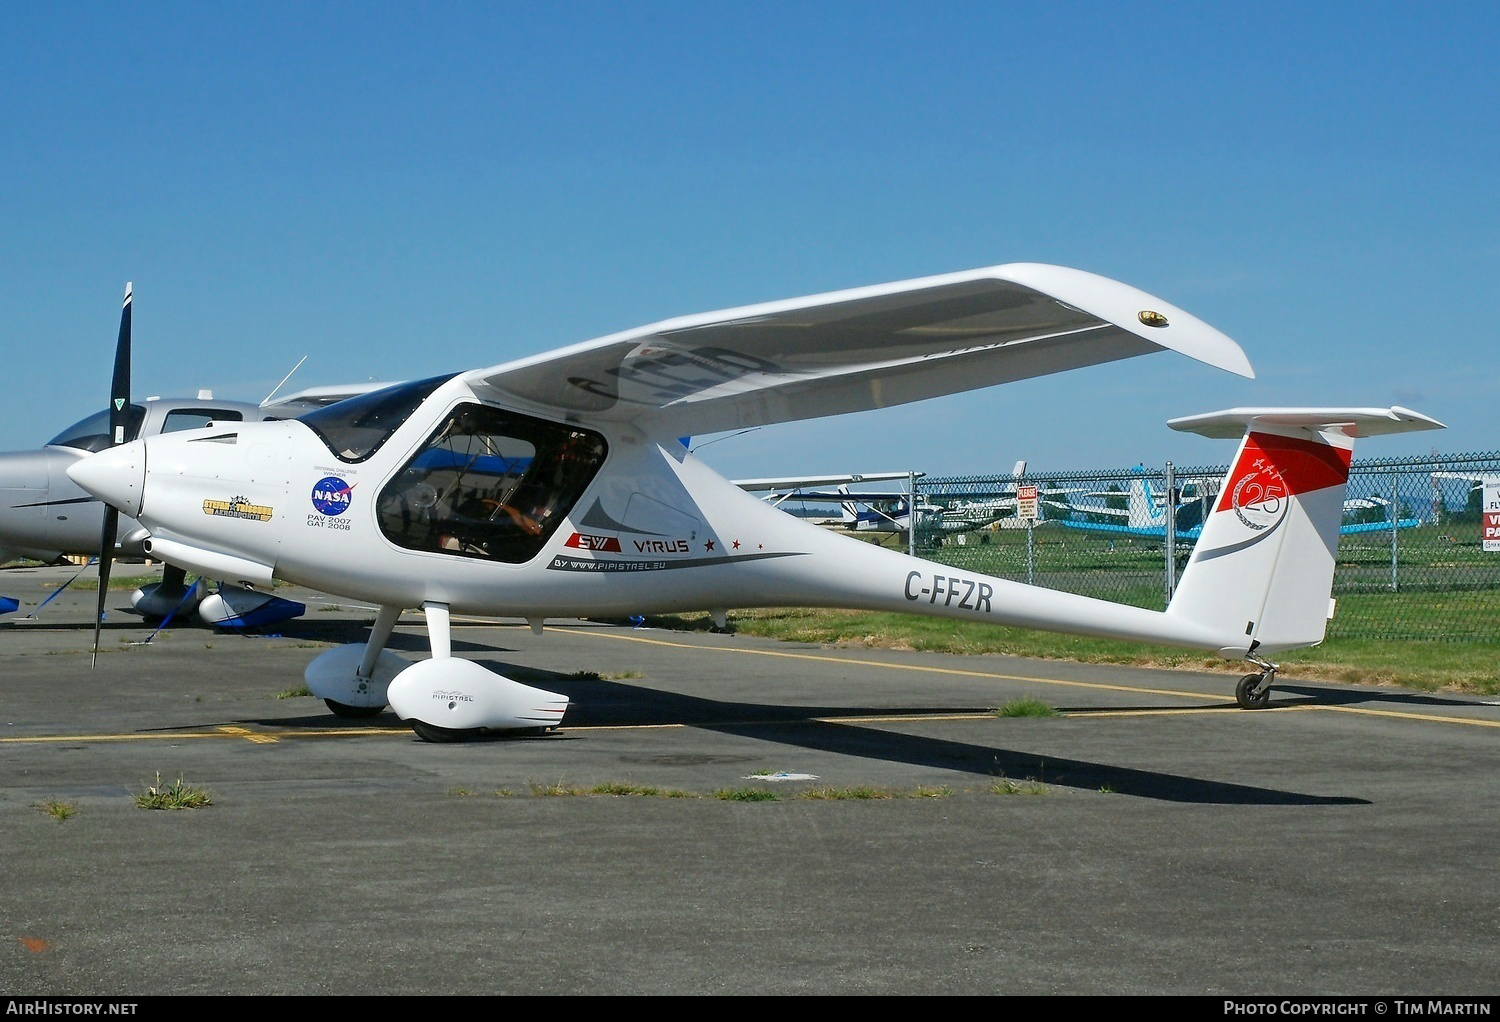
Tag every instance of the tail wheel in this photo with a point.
(1250, 694)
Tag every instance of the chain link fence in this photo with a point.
(1410, 561)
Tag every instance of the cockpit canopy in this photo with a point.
(92, 434)
(355, 428)
(163, 416)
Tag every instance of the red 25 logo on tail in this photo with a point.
(1259, 495)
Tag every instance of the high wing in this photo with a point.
(855, 350)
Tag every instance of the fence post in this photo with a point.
(911, 513)
(1395, 524)
(1030, 552)
(1170, 546)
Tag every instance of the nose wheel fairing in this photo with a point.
(461, 696)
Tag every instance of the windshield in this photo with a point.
(92, 434)
(355, 428)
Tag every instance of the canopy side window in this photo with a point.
(489, 484)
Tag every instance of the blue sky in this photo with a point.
(396, 190)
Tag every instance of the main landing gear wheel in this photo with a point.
(353, 712)
(1251, 694)
(432, 733)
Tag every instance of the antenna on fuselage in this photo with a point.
(288, 376)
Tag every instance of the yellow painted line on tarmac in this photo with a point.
(823, 658)
(218, 732)
(885, 718)
(1091, 685)
(258, 737)
(264, 738)
(1401, 714)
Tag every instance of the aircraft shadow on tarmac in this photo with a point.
(1331, 695)
(599, 702)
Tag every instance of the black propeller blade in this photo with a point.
(106, 555)
(119, 424)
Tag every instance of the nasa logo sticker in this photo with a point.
(330, 495)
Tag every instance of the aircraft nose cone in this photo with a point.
(116, 476)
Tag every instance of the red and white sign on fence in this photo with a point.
(1026, 503)
(1489, 520)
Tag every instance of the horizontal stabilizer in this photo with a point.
(1231, 423)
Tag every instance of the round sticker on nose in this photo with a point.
(330, 495)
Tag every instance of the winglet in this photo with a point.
(1132, 309)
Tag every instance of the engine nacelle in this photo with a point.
(459, 695)
(160, 600)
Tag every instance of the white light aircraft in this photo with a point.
(556, 486)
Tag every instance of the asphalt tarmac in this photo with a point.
(1152, 839)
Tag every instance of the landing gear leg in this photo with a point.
(1254, 690)
(440, 635)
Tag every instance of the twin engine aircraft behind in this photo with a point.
(44, 515)
(555, 486)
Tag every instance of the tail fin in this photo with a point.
(1144, 512)
(850, 510)
(1263, 564)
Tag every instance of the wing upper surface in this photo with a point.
(856, 350)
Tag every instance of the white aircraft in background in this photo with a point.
(890, 511)
(44, 515)
(1476, 480)
(555, 486)
(1145, 511)
(783, 490)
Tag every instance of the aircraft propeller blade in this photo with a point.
(119, 388)
(119, 425)
(106, 555)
